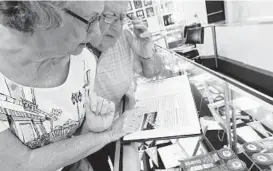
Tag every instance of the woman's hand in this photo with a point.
(127, 123)
(141, 41)
(99, 114)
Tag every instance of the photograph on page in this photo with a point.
(148, 121)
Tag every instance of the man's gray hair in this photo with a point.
(26, 16)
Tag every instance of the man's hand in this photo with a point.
(141, 40)
(99, 113)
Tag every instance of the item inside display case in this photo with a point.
(166, 154)
(221, 160)
(260, 153)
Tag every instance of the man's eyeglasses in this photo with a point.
(89, 23)
(111, 19)
(107, 18)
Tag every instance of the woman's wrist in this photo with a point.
(109, 135)
(84, 128)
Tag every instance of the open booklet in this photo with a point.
(172, 110)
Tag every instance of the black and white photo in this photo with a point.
(150, 12)
(148, 2)
(148, 121)
(138, 4)
(168, 20)
(140, 14)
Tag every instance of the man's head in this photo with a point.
(51, 28)
(114, 11)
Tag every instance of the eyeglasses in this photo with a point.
(111, 19)
(88, 22)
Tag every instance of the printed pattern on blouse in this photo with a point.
(42, 116)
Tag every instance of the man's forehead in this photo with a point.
(116, 6)
(86, 8)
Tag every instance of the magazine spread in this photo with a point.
(172, 111)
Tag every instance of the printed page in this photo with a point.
(159, 88)
(171, 114)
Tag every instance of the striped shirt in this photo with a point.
(114, 72)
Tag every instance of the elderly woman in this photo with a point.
(119, 52)
(46, 84)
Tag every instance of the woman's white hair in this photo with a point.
(26, 16)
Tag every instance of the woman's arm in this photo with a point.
(16, 156)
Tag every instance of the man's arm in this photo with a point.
(147, 62)
(148, 68)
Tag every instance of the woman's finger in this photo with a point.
(93, 101)
(140, 111)
(111, 107)
(105, 107)
(99, 105)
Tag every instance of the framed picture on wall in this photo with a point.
(150, 12)
(168, 20)
(130, 8)
(138, 4)
(148, 2)
(140, 14)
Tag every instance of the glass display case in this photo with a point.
(231, 115)
(169, 152)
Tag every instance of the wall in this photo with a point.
(183, 11)
(248, 44)
(254, 10)
(192, 7)
(207, 48)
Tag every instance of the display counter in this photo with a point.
(230, 113)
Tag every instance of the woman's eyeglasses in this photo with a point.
(89, 23)
(107, 18)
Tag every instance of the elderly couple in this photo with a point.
(58, 99)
